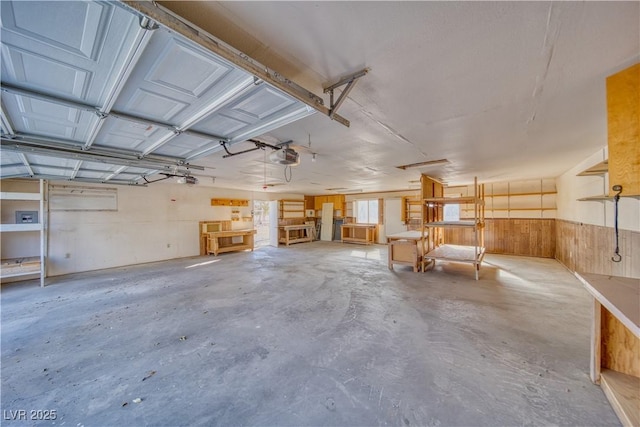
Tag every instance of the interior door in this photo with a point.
(392, 219)
(273, 222)
(326, 227)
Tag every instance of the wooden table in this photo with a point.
(406, 248)
(358, 233)
(301, 233)
(615, 341)
(223, 241)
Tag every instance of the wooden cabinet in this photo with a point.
(338, 201)
(623, 126)
(309, 202)
(230, 202)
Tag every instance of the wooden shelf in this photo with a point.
(600, 198)
(536, 193)
(462, 223)
(292, 209)
(20, 267)
(20, 227)
(457, 253)
(596, 170)
(454, 200)
(229, 202)
(619, 295)
(19, 196)
(623, 392)
(435, 227)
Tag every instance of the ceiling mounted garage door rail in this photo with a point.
(174, 22)
(113, 113)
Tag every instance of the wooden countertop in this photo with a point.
(619, 295)
(296, 226)
(232, 233)
(408, 235)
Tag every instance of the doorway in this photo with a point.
(261, 223)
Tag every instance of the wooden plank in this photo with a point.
(20, 267)
(620, 349)
(623, 392)
(453, 224)
(597, 169)
(454, 253)
(596, 340)
(230, 202)
(623, 126)
(454, 200)
(527, 237)
(619, 295)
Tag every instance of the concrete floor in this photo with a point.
(315, 334)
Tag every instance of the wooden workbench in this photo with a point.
(615, 341)
(358, 233)
(226, 241)
(407, 248)
(297, 233)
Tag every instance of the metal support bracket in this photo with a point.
(350, 81)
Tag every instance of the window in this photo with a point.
(452, 212)
(366, 211)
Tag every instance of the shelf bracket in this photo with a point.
(350, 81)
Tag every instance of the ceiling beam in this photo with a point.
(176, 23)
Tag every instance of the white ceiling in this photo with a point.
(503, 90)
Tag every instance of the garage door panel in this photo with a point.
(74, 28)
(154, 106)
(61, 79)
(174, 72)
(70, 49)
(185, 69)
(128, 135)
(40, 117)
(183, 145)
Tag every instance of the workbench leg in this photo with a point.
(596, 342)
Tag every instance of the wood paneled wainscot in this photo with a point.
(615, 341)
(527, 237)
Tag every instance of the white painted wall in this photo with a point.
(571, 187)
(155, 223)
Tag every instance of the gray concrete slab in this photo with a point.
(315, 334)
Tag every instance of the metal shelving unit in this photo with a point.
(27, 266)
